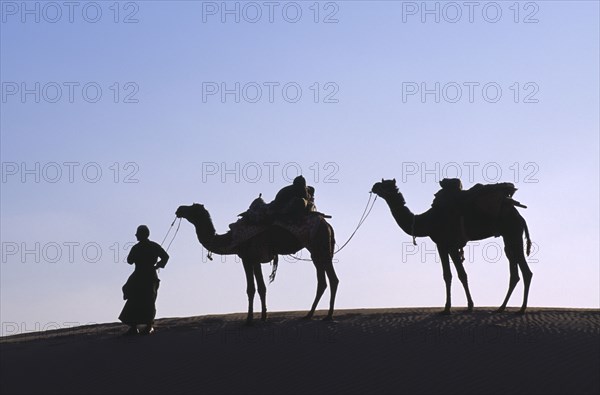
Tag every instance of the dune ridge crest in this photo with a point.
(407, 350)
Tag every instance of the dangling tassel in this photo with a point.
(412, 231)
(209, 255)
(274, 270)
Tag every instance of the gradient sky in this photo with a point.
(356, 121)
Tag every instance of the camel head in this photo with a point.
(386, 189)
(194, 213)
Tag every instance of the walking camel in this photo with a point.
(318, 239)
(479, 223)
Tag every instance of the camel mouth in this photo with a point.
(178, 213)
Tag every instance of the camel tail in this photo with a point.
(528, 245)
(332, 240)
(274, 270)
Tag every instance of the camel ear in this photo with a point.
(381, 179)
(394, 181)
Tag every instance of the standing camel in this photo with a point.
(478, 224)
(263, 247)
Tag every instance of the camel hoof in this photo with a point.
(498, 311)
(263, 317)
(468, 310)
(328, 318)
(520, 312)
(307, 317)
(445, 312)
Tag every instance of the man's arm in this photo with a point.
(164, 257)
(131, 255)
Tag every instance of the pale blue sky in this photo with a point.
(368, 134)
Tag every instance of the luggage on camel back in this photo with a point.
(485, 200)
(292, 209)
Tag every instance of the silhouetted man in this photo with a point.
(294, 199)
(141, 288)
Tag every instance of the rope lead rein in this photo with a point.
(169, 231)
(363, 217)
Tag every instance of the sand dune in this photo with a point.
(363, 351)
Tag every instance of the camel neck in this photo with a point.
(403, 216)
(207, 236)
(205, 231)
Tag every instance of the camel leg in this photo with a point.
(262, 290)
(321, 286)
(514, 274)
(527, 276)
(462, 276)
(250, 290)
(333, 284)
(447, 277)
